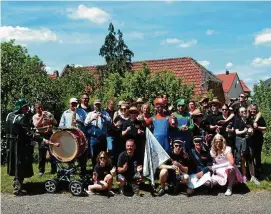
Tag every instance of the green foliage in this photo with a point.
(142, 84)
(262, 98)
(118, 56)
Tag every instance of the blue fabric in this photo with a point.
(161, 127)
(176, 134)
(110, 140)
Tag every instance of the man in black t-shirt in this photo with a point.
(175, 170)
(129, 167)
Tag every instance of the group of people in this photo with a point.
(207, 141)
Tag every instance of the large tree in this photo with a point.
(117, 55)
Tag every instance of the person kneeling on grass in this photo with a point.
(102, 175)
(175, 170)
(129, 168)
(224, 169)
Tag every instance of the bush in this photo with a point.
(262, 98)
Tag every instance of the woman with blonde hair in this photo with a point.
(224, 169)
(102, 175)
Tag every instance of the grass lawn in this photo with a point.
(35, 183)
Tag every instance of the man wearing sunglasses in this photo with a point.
(202, 163)
(175, 170)
(84, 103)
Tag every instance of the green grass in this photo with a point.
(35, 183)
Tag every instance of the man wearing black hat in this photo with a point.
(174, 171)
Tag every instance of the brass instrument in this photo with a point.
(48, 116)
(74, 118)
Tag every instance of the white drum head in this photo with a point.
(68, 147)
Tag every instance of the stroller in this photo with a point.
(72, 145)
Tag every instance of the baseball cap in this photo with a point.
(73, 100)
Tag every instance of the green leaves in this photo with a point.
(262, 97)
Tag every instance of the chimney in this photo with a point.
(227, 72)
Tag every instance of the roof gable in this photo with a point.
(227, 80)
(244, 86)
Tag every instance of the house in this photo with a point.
(232, 85)
(187, 68)
(54, 75)
(267, 82)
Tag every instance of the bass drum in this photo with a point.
(73, 144)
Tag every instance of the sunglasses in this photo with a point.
(123, 109)
(197, 141)
(85, 98)
(224, 109)
(133, 112)
(180, 105)
(177, 146)
(102, 158)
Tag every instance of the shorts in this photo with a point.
(241, 145)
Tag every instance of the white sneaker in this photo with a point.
(228, 192)
(89, 192)
(254, 180)
(111, 193)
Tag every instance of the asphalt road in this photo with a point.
(65, 203)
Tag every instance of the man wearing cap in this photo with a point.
(97, 123)
(183, 126)
(175, 170)
(75, 117)
(139, 103)
(160, 123)
(67, 118)
(202, 163)
(118, 112)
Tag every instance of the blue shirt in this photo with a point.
(67, 116)
(101, 124)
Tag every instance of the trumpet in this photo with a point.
(48, 116)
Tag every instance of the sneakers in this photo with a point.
(111, 193)
(254, 180)
(40, 174)
(161, 192)
(228, 192)
(121, 189)
(89, 192)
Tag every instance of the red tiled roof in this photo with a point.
(52, 76)
(187, 68)
(244, 86)
(227, 80)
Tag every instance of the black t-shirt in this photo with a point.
(110, 112)
(133, 133)
(241, 125)
(212, 119)
(236, 105)
(87, 110)
(200, 160)
(102, 171)
(133, 162)
(257, 133)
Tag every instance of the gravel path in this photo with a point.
(65, 203)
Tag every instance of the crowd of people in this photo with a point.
(208, 142)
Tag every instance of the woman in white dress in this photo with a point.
(224, 169)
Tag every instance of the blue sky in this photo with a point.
(220, 35)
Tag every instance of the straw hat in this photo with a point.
(139, 101)
(133, 108)
(215, 101)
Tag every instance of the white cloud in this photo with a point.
(229, 65)
(258, 62)
(204, 63)
(188, 44)
(26, 34)
(210, 32)
(134, 35)
(171, 41)
(92, 14)
(263, 38)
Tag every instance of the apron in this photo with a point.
(161, 127)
